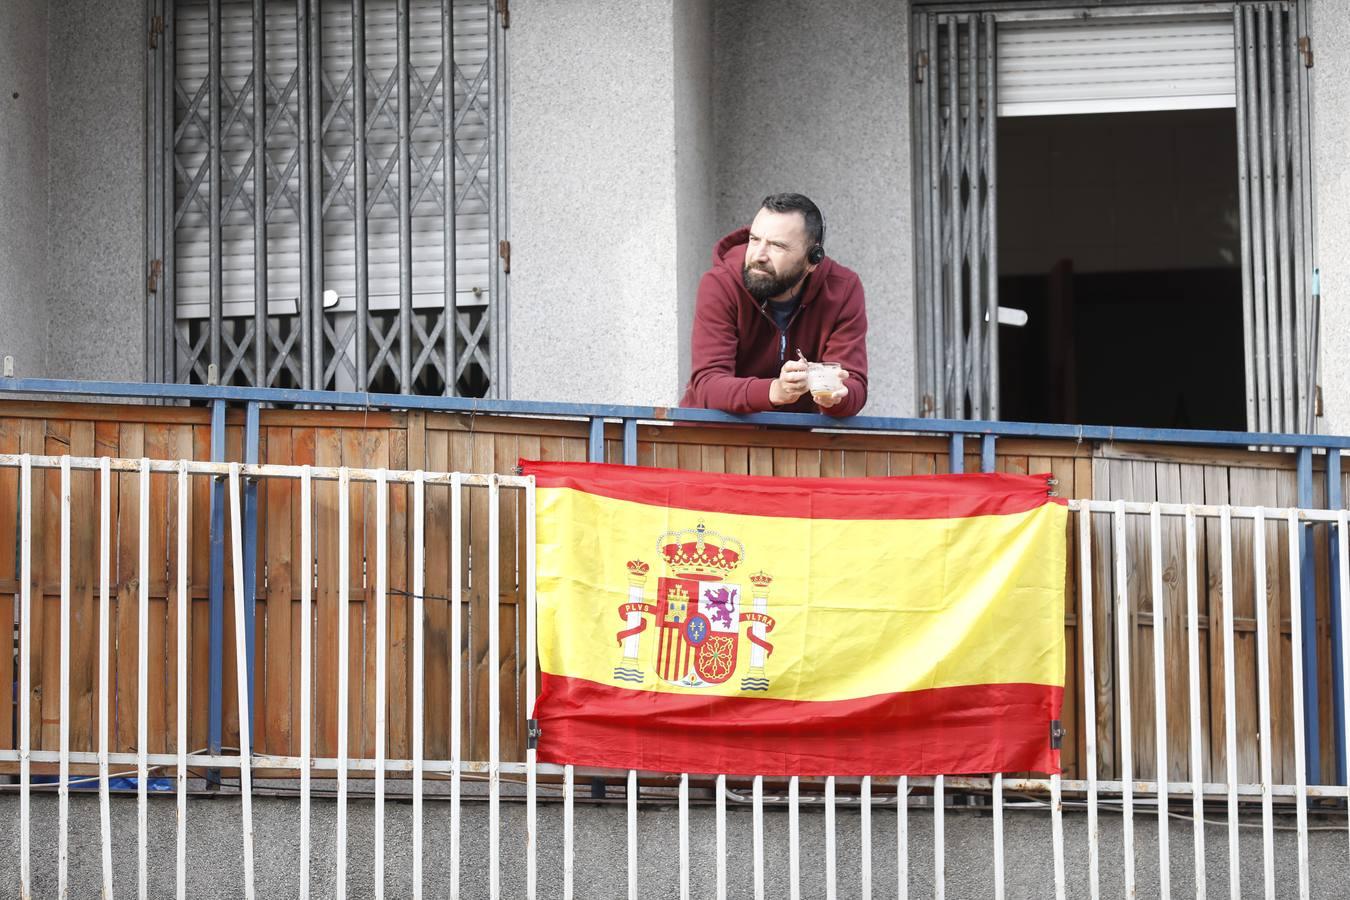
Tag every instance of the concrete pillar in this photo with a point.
(610, 133)
(1331, 183)
(96, 236)
(23, 185)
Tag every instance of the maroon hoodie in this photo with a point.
(737, 348)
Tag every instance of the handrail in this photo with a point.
(937, 427)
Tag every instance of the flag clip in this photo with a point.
(1056, 734)
(531, 734)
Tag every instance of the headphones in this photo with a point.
(817, 253)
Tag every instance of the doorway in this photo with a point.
(1118, 235)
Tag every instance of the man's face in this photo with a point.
(775, 258)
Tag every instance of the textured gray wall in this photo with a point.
(814, 97)
(696, 227)
(96, 223)
(1331, 150)
(215, 859)
(594, 193)
(23, 184)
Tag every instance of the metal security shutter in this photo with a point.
(1279, 294)
(956, 216)
(1115, 65)
(402, 324)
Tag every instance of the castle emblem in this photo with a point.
(698, 614)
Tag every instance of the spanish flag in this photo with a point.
(700, 623)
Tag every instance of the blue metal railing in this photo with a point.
(955, 430)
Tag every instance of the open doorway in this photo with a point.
(1118, 234)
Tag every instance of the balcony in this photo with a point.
(1202, 625)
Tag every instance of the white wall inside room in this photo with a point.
(814, 98)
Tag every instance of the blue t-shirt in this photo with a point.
(781, 312)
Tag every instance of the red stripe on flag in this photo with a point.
(967, 730)
(900, 497)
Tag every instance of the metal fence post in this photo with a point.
(630, 441)
(1335, 500)
(250, 538)
(595, 448)
(1308, 589)
(216, 591)
(988, 459)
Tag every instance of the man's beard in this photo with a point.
(764, 285)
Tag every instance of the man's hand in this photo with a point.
(790, 383)
(831, 399)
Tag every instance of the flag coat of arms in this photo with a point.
(690, 622)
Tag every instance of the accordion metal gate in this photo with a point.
(325, 194)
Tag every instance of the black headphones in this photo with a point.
(817, 253)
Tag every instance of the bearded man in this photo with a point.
(772, 303)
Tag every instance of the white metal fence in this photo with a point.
(1224, 794)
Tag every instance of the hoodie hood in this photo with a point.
(729, 262)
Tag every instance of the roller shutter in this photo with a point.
(1114, 65)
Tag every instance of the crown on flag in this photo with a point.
(700, 554)
(761, 580)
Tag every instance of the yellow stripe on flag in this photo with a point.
(895, 604)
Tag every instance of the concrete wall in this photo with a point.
(814, 97)
(96, 221)
(594, 198)
(71, 186)
(23, 184)
(1331, 148)
(215, 859)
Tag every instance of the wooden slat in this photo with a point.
(481, 460)
(175, 693)
(1247, 487)
(199, 553)
(83, 584)
(1281, 637)
(1177, 689)
(9, 538)
(438, 655)
(327, 452)
(1071, 752)
(1139, 564)
(279, 520)
(365, 449)
(159, 444)
(1216, 491)
(131, 445)
(1103, 624)
(511, 694)
(47, 543)
(302, 449)
(400, 627)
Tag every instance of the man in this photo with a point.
(772, 302)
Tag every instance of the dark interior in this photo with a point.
(1118, 237)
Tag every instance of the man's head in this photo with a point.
(786, 245)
